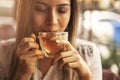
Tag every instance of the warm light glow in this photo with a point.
(7, 3)
(105, 53)
(114, 68)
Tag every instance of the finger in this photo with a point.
(66, 60)
(73, 65)
(68, 46)
(62, 55)
(29, 46)
(27, 60)
(24, 41)
(33, 53)
(38, 56)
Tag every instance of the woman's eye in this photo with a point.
(41, 9)
(63, 10)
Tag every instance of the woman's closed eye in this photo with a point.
(63, 10)
(41, 8)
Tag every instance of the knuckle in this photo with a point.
(68, 64)
(18, 54)
(29, 44)
(37, 46)
(18, 51)
(76, 58)
(74, 51)
(20, 57)
(35, 51)
(25, 40)
(61, 54)
(26, 61)
(62, 60)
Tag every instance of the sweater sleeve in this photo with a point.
(1, 71)
(6, 50)
(96, 65)
(91, 55)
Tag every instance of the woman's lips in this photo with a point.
(50, 31)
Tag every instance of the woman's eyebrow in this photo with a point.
(38, 2)
(64, 4)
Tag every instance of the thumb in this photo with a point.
(33, 36)
(67, 45)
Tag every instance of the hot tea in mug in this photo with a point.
(52, 42)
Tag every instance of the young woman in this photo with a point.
(19, 57)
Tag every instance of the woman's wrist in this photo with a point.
(85, 75)
(19, 75)
(22, 77)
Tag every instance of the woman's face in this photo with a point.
(51, 15)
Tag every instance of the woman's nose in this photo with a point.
(52, 18)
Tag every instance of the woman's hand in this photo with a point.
(72, 59)
(27, 52)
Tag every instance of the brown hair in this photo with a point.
(72, 29)
(25, 24)
(24, 28)
(24, 19)
(73, 23)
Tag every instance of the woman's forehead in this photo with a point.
(54, 1)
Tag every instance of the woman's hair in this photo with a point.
(72, 29)
(24, 19)
(73, 23)
(25, 23)
(24, 28)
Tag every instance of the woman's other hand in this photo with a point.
(70, 58)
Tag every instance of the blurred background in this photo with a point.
(99, 22)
